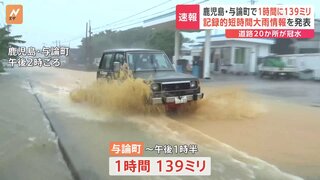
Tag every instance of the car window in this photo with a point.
(130, 61)
(145, 61)
(119, 58)
(106, 61)
(160, 62)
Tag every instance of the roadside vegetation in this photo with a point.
(131, 38)
(6, 41)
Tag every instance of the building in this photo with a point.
(303, 46)
(168, 21)
(233, 55)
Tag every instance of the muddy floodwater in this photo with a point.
(130, 97)
(247, 135)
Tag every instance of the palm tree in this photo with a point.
(7, 41)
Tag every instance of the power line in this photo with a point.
(126, 18)
(73, 39)
(169, 9)
(116, 22)
(127, 25)
(159, 12)
(147, 16)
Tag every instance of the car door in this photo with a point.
(105, 67)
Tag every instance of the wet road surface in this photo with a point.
(85, 131)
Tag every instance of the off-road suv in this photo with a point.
(168, 86)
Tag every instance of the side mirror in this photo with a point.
(116, 66)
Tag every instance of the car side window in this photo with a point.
(106, 61)
(119, 58)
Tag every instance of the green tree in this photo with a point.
(7, 41)
(131, 38)
(164, 40)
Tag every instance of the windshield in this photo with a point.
(146, 61)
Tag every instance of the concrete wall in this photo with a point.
(264, 50)
(253, 51)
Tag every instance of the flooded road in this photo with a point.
(28, 147)
(229, 115)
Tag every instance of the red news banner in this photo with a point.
(252, 21)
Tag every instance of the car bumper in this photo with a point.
(165, 100)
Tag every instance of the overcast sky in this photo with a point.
(46, 21)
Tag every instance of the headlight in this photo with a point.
(193, 84)
(155, 86)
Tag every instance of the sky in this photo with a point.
(48, 21)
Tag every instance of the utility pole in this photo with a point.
(86, 45)
(90, 44)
